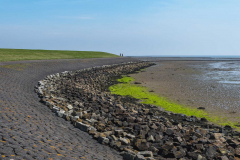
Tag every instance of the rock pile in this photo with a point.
(139, 131)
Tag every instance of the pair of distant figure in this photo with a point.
(121, 54)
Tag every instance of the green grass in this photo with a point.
(27, 54)
(125, 88)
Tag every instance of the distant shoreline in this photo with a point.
(176, 56)
(149, 58)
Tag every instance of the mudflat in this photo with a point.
(185, 82)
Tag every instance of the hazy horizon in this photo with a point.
(134, 28)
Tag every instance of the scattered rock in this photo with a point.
(103, 140)
(129, 156)
(124, 141)
(140, 157)
(82, 126)
(137, 83)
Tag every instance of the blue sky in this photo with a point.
(131, 27)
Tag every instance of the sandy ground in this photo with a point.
(183, 82)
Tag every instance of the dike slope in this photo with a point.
(28, 130)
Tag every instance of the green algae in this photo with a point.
(125, 88)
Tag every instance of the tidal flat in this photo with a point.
(203, 88)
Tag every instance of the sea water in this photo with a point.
(223, 72)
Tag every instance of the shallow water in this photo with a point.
(224, 72)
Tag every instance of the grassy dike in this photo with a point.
(126, 88)
(28, 54)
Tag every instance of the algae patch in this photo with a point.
(125, 88)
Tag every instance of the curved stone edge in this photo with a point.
(47, 85)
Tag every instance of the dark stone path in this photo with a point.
(28, 129)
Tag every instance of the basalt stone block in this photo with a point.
(199, 146)
(103, 140)
(75, 118)
(114, 137)
(130, 119)
(145, 127)
(216, 136)
(158, 138)
(139, 157)
(146, 153)
(137, 127)
(143, 133)
(91, 128)
(161, 128)
(200, 157)
(55, 109)
(70, 107)
(151, 158)
(154, 126)
(210, 152)
(153, 149)
(223, 158)
(60, 113)
(80, 114)
(40, 92)
(118, 132)
(92, 132)
(192, 155)
(130, 136)
(108, 133)
(86, 116)
(167, 146)
(116, 144)
(129, 156)
(169, 131)
(237, 152)
(179, 154)
(150, 139)
(124, 141)
(124, 134)
(125, 124)
(119, 123)
(141, 144)
(82, 126)
(203, 119)
(91, 121)
(177, 139)
(96, 135)
(110, 138)
(138, 119)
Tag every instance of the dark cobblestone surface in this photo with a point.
(28, 130)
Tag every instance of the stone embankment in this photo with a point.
(137, 130)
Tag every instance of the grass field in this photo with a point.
(27, 54)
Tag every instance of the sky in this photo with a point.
(131, 27)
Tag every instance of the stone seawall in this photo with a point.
(139, 131)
